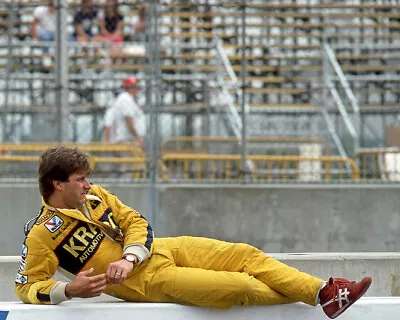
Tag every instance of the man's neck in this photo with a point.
(57, 203)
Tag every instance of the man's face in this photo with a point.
(75, 189)
(133, 90)
(87, 6)
(51, 6)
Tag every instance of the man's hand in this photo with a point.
(117, 271)
(84, 286)
(142, 143)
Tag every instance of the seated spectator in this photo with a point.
(110, 22)
(84, 21)
(139, 25)
(43, 27)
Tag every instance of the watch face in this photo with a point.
(130, 258)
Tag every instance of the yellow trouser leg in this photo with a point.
(208, 288)
(217, 255)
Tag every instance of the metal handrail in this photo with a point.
(89, 147)
(236, 121)
(372, 163)
(342, 79)
(219, 140)
(329, 57)
(284, 160)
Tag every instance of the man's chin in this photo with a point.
(82, 201)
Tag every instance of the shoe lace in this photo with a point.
(340, 287)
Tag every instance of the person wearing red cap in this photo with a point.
(125, 120)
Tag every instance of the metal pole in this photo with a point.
(154, 96)
(11, 19)
(62, 71)
(243, 102)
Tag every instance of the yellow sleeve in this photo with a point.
(138, 234)
(33, 283)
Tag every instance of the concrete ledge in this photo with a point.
(384, 268)
(365, 309)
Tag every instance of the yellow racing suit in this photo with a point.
(186, 270)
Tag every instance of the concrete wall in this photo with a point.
(365, 308)
(287, 218)
(275, 218)
(384, 268)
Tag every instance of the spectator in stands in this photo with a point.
(208, 18)
(125, 120)
(43, 27)
(111, 21)
(109, 247)
(84, 22)
(139, 25)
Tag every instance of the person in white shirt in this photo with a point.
(125, 120)
(43, 27)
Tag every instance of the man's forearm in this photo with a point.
(34, 31)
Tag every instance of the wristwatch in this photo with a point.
(131, 258)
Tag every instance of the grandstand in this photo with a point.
(308, 69)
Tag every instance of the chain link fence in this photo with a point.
(204, 67)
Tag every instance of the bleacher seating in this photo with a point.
(286, 45)
(283, 58)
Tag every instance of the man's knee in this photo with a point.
(247, 250)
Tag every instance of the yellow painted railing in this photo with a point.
(137, 164)
(379, 163)
(115, 158)
(194, 166)
(227, 167)
(92, 147)
(230, 145)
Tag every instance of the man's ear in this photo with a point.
(58, 185)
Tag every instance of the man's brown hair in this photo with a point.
(58, 164)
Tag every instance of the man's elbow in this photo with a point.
(21, 293)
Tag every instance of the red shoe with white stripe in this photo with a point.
(339, 294)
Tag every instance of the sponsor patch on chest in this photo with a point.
(79, 246)
(54, 223)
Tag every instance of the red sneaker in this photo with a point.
(339, 294)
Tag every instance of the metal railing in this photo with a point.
(234, 119)
(381, 164)
(132, 148)
(203, 167)
(329, 60)
(229, 145)
(107, 160)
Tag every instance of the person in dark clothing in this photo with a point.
(111, 22)
(84, 21)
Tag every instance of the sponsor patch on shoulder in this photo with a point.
(22, 266)
(21, 279)
(54, 223)
(24, 252)
(45, 216)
